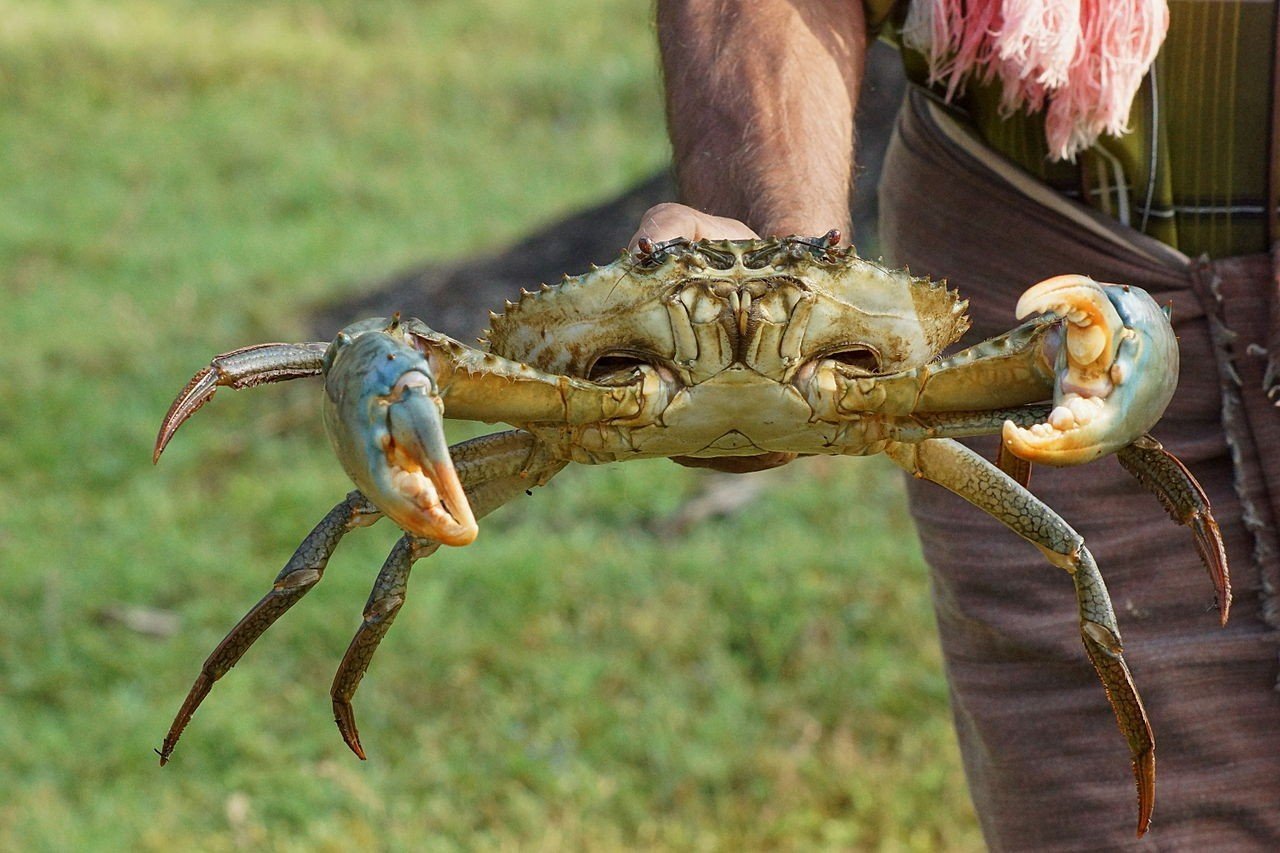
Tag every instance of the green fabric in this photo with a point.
(1209, 135)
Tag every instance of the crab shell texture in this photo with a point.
(729, 334)
(700, 310)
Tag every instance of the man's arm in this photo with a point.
(760, 104)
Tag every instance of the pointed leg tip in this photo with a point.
(166, 749)
(199, 391)
(167, 430)
(344, 716)
(1144, 824)
(353, 742)
(1222, 597)
(199, 690)
(1144, 768)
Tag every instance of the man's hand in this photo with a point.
(669, 220)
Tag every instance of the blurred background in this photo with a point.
(639, 656)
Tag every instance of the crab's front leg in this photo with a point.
(1115, 372)
(389, 384)
(962, 471)
(1104, 354)
(385, 418)
(388, 387)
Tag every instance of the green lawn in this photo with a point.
(181, 178)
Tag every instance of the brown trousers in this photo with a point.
(1046, 765)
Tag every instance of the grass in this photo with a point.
(180, 178)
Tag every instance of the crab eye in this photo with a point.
(863, 359)
(614, 365)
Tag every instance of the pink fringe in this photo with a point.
(1084, 59)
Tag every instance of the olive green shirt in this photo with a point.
(1192, 170)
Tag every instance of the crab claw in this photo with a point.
(1116, 370)
(385, 419)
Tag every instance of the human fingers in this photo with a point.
(670, 220)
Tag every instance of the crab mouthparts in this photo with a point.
(422, 472)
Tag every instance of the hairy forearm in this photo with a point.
(760, 102)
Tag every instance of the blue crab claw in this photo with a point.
(385, 419)
(1116, 370)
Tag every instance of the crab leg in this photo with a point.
(388, 388)
(494, 469)
(481, 386)
(1003, 372)
(388, 385)
(241, 368)
(1105, 354)
(1156, 469)
(962, 471)
(303, 571)
(380, 611)
(1164, 475)
(960, 424)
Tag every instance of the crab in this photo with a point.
(738, 355)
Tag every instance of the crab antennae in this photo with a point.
(241, 368)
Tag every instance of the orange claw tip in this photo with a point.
(446, 515)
